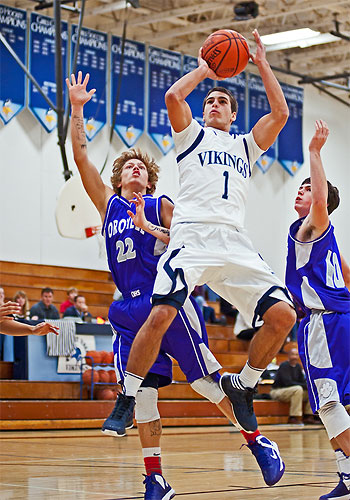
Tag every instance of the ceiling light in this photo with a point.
(303, 43)
(289, 36)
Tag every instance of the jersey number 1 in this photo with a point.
(225, 195)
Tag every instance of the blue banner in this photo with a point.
(164, 70)
(130, 120)
(13, 26)
(290, 139)
(92, 58)
(237, 85)
(258, 107)
(42, 67)
(197, 96)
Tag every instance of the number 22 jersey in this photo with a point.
(132, 253)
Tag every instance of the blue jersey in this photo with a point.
(132, 253)
(313, 273)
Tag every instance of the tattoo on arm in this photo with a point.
(163, 230)
(79, 125)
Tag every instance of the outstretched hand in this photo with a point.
(320, 136)
(44, 329)
(9, 308)
(138, 218)
(210, 73)
(260, 54)
(78, 94)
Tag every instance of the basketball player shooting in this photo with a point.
(319, 278)
(208, 243)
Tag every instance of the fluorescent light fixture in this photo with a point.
(289, 36)
(302, 38)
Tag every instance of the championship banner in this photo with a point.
(258, 107)
(13, 26)
(92, 58)
(290, 139)
(130, 120)
(164, 70)
(42, 67)
(237, 85)
(197, 96)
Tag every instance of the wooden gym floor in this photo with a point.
(200, 463)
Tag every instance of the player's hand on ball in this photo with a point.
(210, 73)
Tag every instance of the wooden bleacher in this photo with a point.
(56, 405)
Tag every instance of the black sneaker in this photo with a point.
(121, 417)
(242, 403)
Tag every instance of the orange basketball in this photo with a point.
(90, 354)
(226, 52)
(112, 377)
(87, 376)
(98, 356)
(103, 376)
(106, 394)
(108, 358)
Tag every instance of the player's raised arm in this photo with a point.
(318, 216)
(179, 112)
(269, 126)
(93, 184)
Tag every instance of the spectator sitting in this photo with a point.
(44, 309)
(208, 311)
(242, 330)
(22, 299)
(228, 311)
(71, 292)
(290, 386)
(79, 309)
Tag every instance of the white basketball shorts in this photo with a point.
(223, 257)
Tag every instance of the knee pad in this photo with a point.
(208, 388)
(335, 418)
(146, 409)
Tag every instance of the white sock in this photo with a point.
(343, 464)
(132, 383)
(151, 452)
(249, 376)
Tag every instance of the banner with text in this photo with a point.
(290, 139)
(42, 67)
(197, 96)
(92, 58)
(258, 107)
(164, 69)
(13, 26)
(237, 85)
(130, 120)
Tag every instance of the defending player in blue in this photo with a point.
(318, 278)
(135, 242)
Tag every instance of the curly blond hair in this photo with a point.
(135, 154)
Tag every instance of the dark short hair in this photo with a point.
(333, 198)
(78, 297)
(233, 101)
(46, 290)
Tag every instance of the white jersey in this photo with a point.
(214, 171)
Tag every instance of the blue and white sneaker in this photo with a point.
(242, 401)
(340, 492)
(269, 459)
(121, 417)
(157, 488)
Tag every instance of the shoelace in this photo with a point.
(122, 404)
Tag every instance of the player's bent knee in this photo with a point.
(208, 388)
(335, 418)
(161, 315)
(281, 317)
(146, 409)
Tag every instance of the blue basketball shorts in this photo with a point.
(324, 349)
(186, 340)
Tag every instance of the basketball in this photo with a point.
(89, 355)
(226, 52)
(103, 376)
(112, 377)
(106, 394)
(87, 376)
(108, 358)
